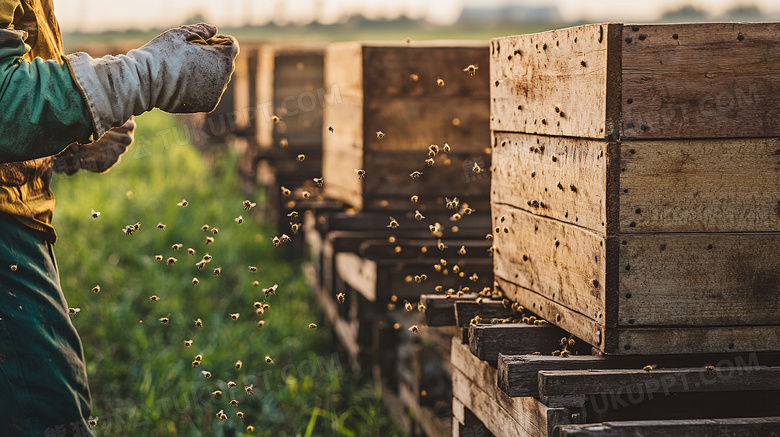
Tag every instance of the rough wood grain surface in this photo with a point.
(758, 426)
(715, 185)
(487, 342)
(555, 83)
(570, 388)
(691, 340)
(465, 311)
(566, 177)
(473, 385)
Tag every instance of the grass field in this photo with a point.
(141, 374)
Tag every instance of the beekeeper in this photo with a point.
(65, 113)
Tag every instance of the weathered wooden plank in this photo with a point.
(565, 176)
(563, 263)
(466, 310)
(570, 388)
(473, 384)
(700, 186)
(440, 310)
(700, 279)
(486, 342)
(691, 340)
(741, 427)
(555, 83)
(710, 79)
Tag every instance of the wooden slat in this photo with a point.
(709, 81)
(570, 388)
(439, 310)
(700, 186)
(473, 384)
(572, 188)
(555, 83)
(700, 279)
(554, 259)
(486, 342)
(518, 374)
(683, 340)
(758, 426)
(466, 310)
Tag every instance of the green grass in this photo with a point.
(140, 372)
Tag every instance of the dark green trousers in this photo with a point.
(43, 380)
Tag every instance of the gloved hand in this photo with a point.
(99, 156)
(184, 70)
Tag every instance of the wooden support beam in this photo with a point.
(486, 342)
(440, 310)
(465, 311)
(570, 388)
(754, 426)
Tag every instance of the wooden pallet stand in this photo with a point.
(637, 179)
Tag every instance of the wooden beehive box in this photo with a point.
(637, 173)
(393, 88)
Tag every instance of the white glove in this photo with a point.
(184, 70)
(99, 156)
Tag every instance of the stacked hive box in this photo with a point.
(637, 171)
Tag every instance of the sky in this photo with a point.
(96, 15)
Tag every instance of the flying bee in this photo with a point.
(270, 291)
(471, 69)
(187, 343)
(468, 211)
(305, 194)
(474, 277)
(250, 428)
(393, 223)
(330, 128)
(128, 230)
(260, 323)
(710, 370)
(565, 353)
(209, 240)
(158, 257)
(430, 161)
(255, 283)
(286, 191)
(233, 403)
(380, 135)
(74, 311)
(93, 421)
(96, 289)
(414, 328)
(160, 226)
(480, 300)
(252, 269)
(218, 271)
(223, 417)
(418, 279)
(407, 305)
(318, 181)
(94, 214)
(195, 282)
(234, 316)
(440, 82)
(418, 216)
(172, 261)
(195, 363)
(647, 369)
(239, 365)
(455, 217)
(489, 237)
(438, 288)
(275, 119)
(217, 394)
(455, 268)
(205, 227)
(293, 215)
(462, 250)
(206, 373)
(232, 384)
(183, 203)
(476, 168)
(441, 246)
(249, 205)
(198, 323)
(284, 143)
(415, 175)
(215, 231)
(207, 258)
(199, 358)
(269, 360)
(201, 265)
(414, 77)
(165, 320)
(341, 297)
(154, 298)
(452, 204)
(421, 308)
(433, 148)
(239, 220)
(301, 157)
(177, 246)
(276, 241)
(240, 415)
(285, 238)
(191, 251)
(571, 342)
(312, 326)
(431, 154)
(360, 173)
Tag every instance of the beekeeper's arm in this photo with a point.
(46, 105)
